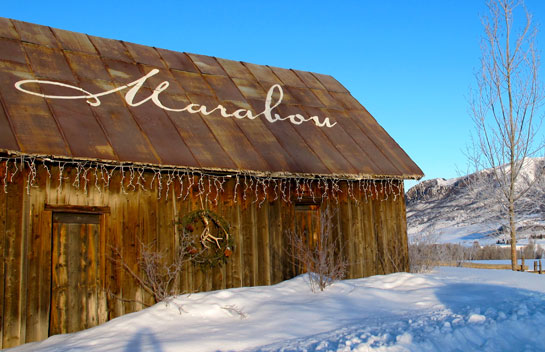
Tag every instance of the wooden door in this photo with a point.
(75, 272)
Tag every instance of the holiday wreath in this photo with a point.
(208, 238)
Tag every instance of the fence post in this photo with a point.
(540, 269)
(535, 265)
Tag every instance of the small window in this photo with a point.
(307, 221)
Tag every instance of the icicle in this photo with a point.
(237, 184)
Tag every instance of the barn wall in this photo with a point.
(372, 234)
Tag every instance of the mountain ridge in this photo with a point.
(467, 208)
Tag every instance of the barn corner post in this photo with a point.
(100, 169)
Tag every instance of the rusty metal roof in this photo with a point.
(212, 114)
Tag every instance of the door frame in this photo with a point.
(103, 212)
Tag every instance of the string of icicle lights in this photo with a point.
(206, 186)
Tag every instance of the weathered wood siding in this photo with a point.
(371, 228)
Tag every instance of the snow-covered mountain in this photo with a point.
(468, 208)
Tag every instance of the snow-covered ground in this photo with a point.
(451, 309)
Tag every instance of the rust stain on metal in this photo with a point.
(122, 102)
(236, 69)
(144, 55)
(288, 77)
(11, 50)
(207, 64)
(48, 63)
(7, 30)
(74, 41)
(177, 61)
(32, 33)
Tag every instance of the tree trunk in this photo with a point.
(513, 236)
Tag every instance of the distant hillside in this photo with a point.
(465, 209)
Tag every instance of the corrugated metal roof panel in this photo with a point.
(192, 82)
(345, 145)
(330, 83)
(155, 106)
(373, 151)
(262, 139)
(309, 79)
(34, 127)
(288, 77)
(122, 72)
(112, 49)
(48, 63)
(31, 33)
(263, 74)
(144, 55)
(207, 64)
(305, 158)
(177, 61)
(224, 88)
(80, 129)
(235, 69)
(197, 135)
(250, 89)
(6, 134)
(304, 97)
(7, 30)
(87, 66)
(12, 50)
(74, 41)
(127, 140)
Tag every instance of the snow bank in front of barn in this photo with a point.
(451, 309)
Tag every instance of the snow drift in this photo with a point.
(452, 309)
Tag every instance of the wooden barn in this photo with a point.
(110, 149)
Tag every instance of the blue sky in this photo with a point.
(409, 62)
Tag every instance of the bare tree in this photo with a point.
(505, 104)
(156, 272)
(323, 260)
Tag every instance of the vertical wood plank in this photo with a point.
(276, 247)
(82, 282)
(236, 231)
(74, 270)
(102, 309)
(347, 230)
(262, 240)
(25, 243)
(247, 242)
(402, 221)
(215, 277)
(35, 271)
(199, 278)
(54, 321)
(368, 238)
(288, 221)
(3, 254)
(226, 205)
(45, 230)
(13, 263)
(389, 236)
(60, 304)
(91, 277)
(377, 228)
(358, 239)
(114, 241)
(183, 207)
(130, 249)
